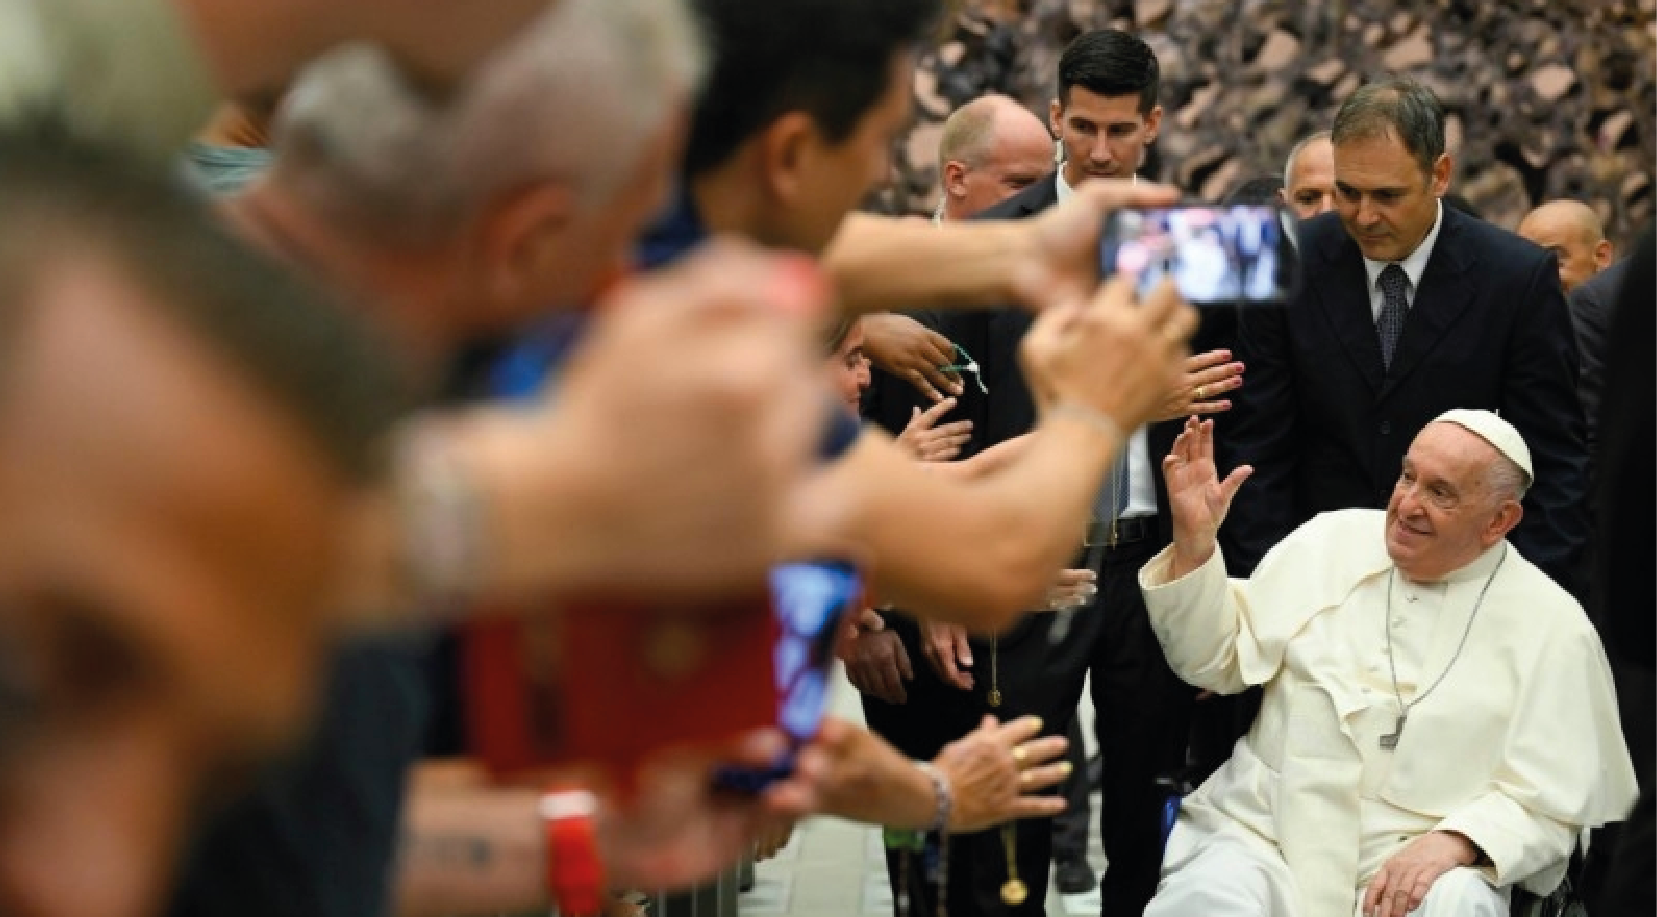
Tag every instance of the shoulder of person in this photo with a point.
(1491, 240)
(1541, 604)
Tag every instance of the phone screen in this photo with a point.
(1217, 255)
(808, 600)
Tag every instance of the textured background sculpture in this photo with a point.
(1547, 98)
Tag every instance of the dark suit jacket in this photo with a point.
(1327, 428)
(1591, 304)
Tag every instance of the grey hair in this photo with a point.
(574, 99)
(1296, 150)
(968, 133)
(1504, 479)
(1398, 106)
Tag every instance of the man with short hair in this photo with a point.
(1406, 309)
(990, 149)
(1439, 723)
(1309, 177)
(187, 433)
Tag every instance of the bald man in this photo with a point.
(1309, 177)
(991, 149)
(1575, 235)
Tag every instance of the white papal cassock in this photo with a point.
(1518, 748)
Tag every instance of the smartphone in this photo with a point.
(809, 601)
(1236, 255)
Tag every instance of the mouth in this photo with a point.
(1405, 531)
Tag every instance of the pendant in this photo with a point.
(1013, 893)
(995, 697)
(1390, 740)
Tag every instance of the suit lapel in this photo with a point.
(1349, 315)
(1443, 296)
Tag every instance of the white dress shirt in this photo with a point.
(1413, 267)
(1141, 474)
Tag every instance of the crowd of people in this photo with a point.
(540, 320)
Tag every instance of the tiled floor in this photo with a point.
(833, 868)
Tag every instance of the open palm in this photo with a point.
(1197, 497)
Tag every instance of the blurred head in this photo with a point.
(991, 148)
(1106, 112)
(848, 368)
(526, 189)
(185, 434)
(1390, 166)
(1309, 177)
(804, 104)
(1456, 496)
(1575, 235)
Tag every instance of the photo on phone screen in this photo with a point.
(809, 601)
(1217, 255)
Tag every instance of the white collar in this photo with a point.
(1065, 191)
(1414, 265)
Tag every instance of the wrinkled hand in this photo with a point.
(929, 443)
(996, 768)
(912, 352)
(1112, 354)
(1403, 882)
(878, 665)
(948, 652)
(690, 415)
(1207, 376)
(1073, 589)
(1197, 498)
(675, 829)
(1062, 264)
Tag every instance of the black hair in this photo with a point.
(1110, 62)
(1397, 106)
(831, 59)
(62, 198)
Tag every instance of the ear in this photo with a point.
(1055, 118)
(1283, 196)
(786, 154)
(1441, 175)
(1153, 124)
(520, 236)
(955, 179)
(1604, 253)
(1507, 516)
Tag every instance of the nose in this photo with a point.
(864, 379)
(1102, 152)
(1367, 215)
(1326, 202)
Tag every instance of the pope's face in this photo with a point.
(1443, 513)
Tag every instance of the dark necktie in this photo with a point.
(1112, 500)
(1394, 303)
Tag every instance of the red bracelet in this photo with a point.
(575, 876)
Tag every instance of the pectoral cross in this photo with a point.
(1390, 740)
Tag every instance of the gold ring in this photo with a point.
(1201, 392)
(1019, 754)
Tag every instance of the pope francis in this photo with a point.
(1438, 723)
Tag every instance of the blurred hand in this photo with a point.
(773, 839)
(994, 771)
(681, 445)
(1062, 264)
(935, 444)
(675, 829)
(949, 653)
(1073, 589)
(1113, 355)
(1197, 499)
(1207, 376)
(1403, 882)
(878, 665)
(912, 352)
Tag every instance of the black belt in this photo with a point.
(1119, 531)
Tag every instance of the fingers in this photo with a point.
(1032, 779)
(1198, 362)
(963, 647)
(870, 620)
(924, 420)
(1016, 732)
(1372, 894)
(1041, 751)
(1234, 481)
(1035, 807)
(906, 671)
(919, 379)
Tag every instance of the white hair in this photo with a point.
(1295, 151)
(1505, 480)
(574, 99)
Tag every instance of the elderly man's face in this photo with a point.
(1443, 514)
(1311, 188)
(1580, 253)
(1020, 153)
(167, 541)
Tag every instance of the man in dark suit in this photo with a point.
(1106, 115)
(1408, 309)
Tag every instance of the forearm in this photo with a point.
(1518, 843)
(880, 263)
(1197, 619)
(470, 851)
(882, 788)
(981, 552)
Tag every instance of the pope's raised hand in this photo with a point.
(1197, 498)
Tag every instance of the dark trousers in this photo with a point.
(1070, 826)
(1143, 719)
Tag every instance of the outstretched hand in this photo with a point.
(1197, 498)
